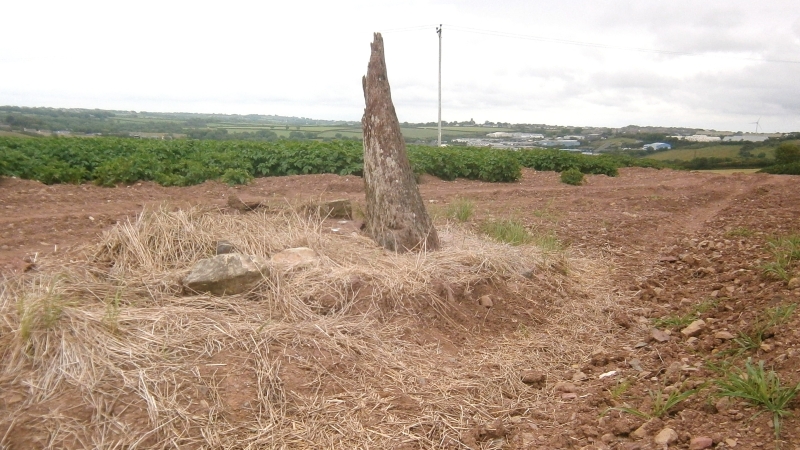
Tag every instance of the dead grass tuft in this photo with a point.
(362, 350)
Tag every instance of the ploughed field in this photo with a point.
(585, 336)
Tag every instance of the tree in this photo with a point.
(787, 153)
(396, 216)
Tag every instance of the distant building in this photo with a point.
(746, 138)
(657, 146)
(514, 135)
(559, 143)
(700, 138)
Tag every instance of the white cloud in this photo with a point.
(503, 61)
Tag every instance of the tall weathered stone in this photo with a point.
(396, 216)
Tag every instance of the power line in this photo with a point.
(605, 46)
(406, 29)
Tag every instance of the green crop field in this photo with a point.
(110, 161)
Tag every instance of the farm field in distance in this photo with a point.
(716, 151)
(583, 328)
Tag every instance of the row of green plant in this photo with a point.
(111, 161)
(785, 251)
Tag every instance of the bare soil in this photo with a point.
(678, 244)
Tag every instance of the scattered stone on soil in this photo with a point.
(666, 436)
(658, 335)
(694, 328)
(700, 443)
(486, 301)
(534, 379)
(724, 335)
(563, 386)
(696, 218)
(579, 376)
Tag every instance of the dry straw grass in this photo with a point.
(104, 351)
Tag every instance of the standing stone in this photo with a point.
(396, 215)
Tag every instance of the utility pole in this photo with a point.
(439, 32)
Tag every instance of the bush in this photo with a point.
(783, 169)
(572, 176)
(787, 153)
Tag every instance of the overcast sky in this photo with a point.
(702, 64)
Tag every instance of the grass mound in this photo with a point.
(367, 349)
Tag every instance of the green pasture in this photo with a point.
(485, 130)
(13, 134)
(345, 132)
(716, 151)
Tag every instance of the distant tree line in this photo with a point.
(221, 134)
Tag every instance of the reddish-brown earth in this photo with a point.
(675, 239)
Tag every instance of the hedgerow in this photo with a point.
(783, 169)
(110, 161)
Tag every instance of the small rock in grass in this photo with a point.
(724, 335)
(569, 396)
(694, 328)
(227, 274)
(640, 433)
(486, 301)
(794, 283)
(658, 335)
(666, 437)
(700, 443)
